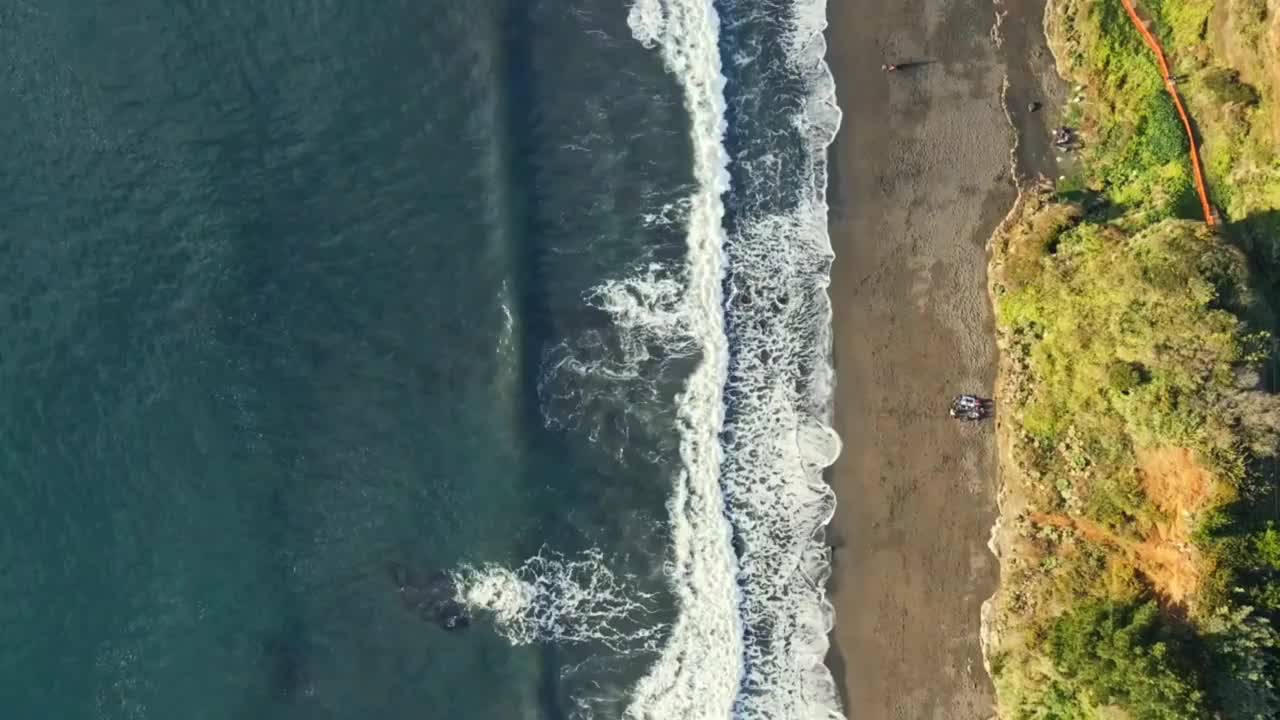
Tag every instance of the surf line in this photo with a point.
(751, 634)
(699, 671)
(750, 631)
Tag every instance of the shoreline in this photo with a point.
(922, 172)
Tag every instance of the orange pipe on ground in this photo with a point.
(1177, 101)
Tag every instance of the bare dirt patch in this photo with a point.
(1166, 558)
(1179, 487)
(1176, 484)
(1173, 568)
(1246, 33)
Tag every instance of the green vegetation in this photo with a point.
(1126, 339)
(1137, 148)
(1140, 549)
(1111, 654)
(1128, 348)
(1224, 85)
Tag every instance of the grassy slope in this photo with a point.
(1140, 560)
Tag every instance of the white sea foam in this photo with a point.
(647, 20)
(646, 309)
(669, 214)
(555, 598)
(750, 635)
(698, 673)
(779, 438)
(646, 313)
(601, 383)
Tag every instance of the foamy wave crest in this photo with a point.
(551, 598)
(752, 630)
(608, 384)
(779, 437)
(647, 311)
(674, 214)
(647, 21)
(698, 673)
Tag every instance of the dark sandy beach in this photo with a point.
(921, 175)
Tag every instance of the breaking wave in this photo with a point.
(749, 313)
(612, 385)
(555, 598)
(699, 670)
(769, 354)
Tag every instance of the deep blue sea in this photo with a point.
(322, 322)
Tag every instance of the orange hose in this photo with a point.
(1177, 101)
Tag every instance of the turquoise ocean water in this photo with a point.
(520, 299)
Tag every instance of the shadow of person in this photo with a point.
(912, 65)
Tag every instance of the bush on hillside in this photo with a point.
(1267, 547)
(1226, 87)
(1111, 654)
(1244, 668)
(1130, 344)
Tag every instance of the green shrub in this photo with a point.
(1128, 345)
(1125, 329)
(1161, 136)
(1226, 87)
(1266, 595)
(1244, 666)
(1111, 654)
(1267, 547)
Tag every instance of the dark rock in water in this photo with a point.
(452, 616)
(399, 575)
(442, 583)
(430, 597)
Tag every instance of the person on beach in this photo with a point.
(970, 407)
(888, 67)
(968, 414)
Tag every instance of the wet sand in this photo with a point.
(921, 175)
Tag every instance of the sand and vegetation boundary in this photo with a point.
(1139, 539)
